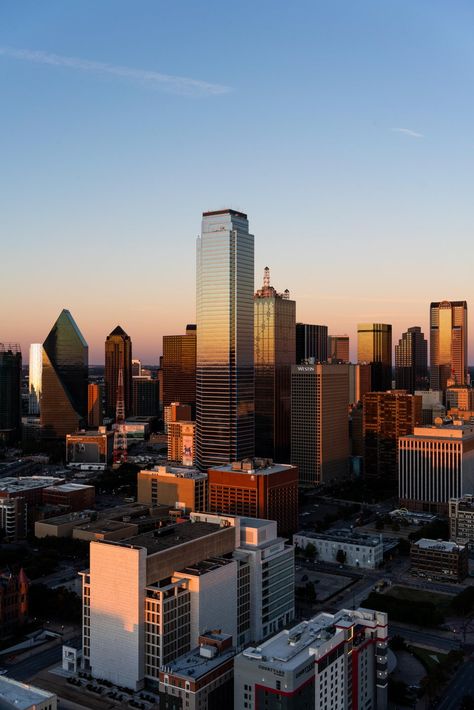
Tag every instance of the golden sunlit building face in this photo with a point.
(374, 345)
(448, 344)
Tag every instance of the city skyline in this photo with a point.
(348, 121)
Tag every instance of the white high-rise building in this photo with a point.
(148, 599)
(332, 661)
(35, 372)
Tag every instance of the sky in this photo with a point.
(343, 129)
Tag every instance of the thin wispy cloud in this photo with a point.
(150, 79)
(408, 132)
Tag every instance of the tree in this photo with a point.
(341, 556)
(310, 551)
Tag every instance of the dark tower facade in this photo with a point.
(10, 388)
(274, 355)
(311, 343)
(411, 361)
(179, 368)
(65, 371)
(374, 346)
(118, 353)
(225, 396)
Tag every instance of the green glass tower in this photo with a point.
(65, 371)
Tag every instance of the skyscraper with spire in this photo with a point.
(225, 339)
(118, 353)
(274, 354)
(64, 379)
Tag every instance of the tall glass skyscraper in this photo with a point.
(411, 361)
(374, 346)
(118, 353)
(448, 344)
(34, 378)
(64, 381)
(225, 332)
(274, 354)
(311, 343)
(10, 387)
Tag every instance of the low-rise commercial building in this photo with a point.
(439, 560)
(256, 488)
(201, 678)
(343, 546)
(29, 489)
(174, 486)
(75, 496)
(13, 519)
(22, 696)
(331, 661)
(13, 601)
(461, 520)
(90, 447)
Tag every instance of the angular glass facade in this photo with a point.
(225, 330)
(311, 343)
(118, 353)
(64, 381)
(448, 344)
(374, 345)
(274, 355)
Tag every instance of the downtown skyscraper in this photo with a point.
(274, 353)
(118, 354)
(64, 381)
(225, 339)
(374, 346)
(10, 385)
(411, 361)
(448, 344)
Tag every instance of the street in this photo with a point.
(28, 668)
(462, 684)
(424, 638)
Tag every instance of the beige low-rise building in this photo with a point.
(174, 486)
(23, 696)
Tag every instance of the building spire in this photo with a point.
(266, 278)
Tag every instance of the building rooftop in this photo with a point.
(193, 665)
(441, 545)
(176, 471)
(205, 566)
(106, 526)
(21, 696)
(169, 536)
(71, 487)
(255, 466)
(443, 429)
(226, 211)
(344, 535)
(24, 483)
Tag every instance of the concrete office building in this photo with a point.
(267, 572)
(202, 678)
(374, 346)
(179, 368)
(64, 379)
(176, 412)
(358, 550)
(29, 490)
(460, 397)
(311, 343)
(225, 394)
(182, 443)
(331, 661)
(448, 344)
(360, 380)
(461, 520)
(13, 519)
(171, 585)
(94, 447)
(319, 422)
(338, 348)
(440, 560)
(174, 486)
(75, 496)
(436, 464)
(274, 354)
(386, 417)
(432, 406)
(34, 378)
(256, 488)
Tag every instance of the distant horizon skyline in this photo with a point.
(343, 130)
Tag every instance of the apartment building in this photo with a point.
(331, 661)
(461, 520)
(438, 559)
(175, 486)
